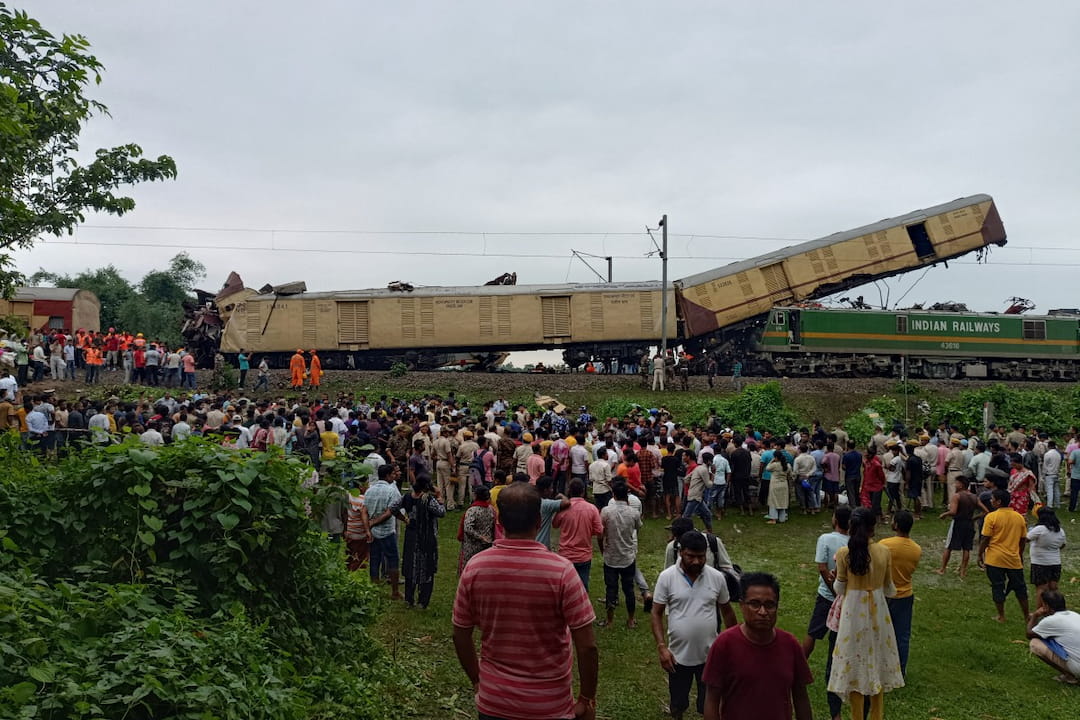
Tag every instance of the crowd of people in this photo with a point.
(510, 477)
(62, 355)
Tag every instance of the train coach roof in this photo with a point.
(474, 291)
(786, 252)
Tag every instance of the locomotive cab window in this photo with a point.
(56, 322)
(920, 240)
(1034, 329)
(779, 318)
(901, 324)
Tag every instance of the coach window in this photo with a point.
(1034, 329)
(901, 324)
(56, 322)
(778, 317)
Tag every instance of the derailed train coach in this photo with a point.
(723, 308)
(804, 342)
(429, 327)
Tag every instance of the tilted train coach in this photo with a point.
(722, 308)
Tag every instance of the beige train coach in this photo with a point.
(433, 326)
(726, 296)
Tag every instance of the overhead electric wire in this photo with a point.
(483, 234)
(465, 253)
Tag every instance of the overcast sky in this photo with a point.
(586, 120)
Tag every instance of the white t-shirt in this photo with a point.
(152, 437)
(825, 552)
(692, 610)
(1046, 545)
(1064, 627)
(1051, 465)
(600, 477)
(721, 468)
(181, 431)
(579, 460)
(895, 472)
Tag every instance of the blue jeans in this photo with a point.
(900, 609)
(583, 570)
(716, 496)
(815, 492)
(1074, 493)
(697, 507)
(383, 551)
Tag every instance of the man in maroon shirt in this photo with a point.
(754, 671)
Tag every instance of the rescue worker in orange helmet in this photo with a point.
(297, 367)
(315, 371)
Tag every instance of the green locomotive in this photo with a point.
(818, 341)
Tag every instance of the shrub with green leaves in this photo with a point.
(759, 405)
(860, 425)
(202, 554)
(1047, 410)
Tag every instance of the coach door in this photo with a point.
(353, 324)
(555, 312)
(795, 328)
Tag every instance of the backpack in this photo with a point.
(731, 575)
(477, 470)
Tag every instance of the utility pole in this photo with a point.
(663, 290)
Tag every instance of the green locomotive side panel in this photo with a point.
(919, 332)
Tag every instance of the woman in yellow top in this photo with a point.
(865, 661)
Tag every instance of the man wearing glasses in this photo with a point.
(755, 671)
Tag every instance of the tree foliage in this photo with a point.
(153, 307)
(46, 187)
(187, 581)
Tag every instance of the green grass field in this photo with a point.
(962, 665)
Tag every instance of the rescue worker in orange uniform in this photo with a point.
(316, 370)
(297, 367)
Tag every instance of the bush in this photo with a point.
(398, 370)
(1044, 409)
(860, 425)
(759, 405)
(209, 549)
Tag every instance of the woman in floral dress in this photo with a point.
(865, 661)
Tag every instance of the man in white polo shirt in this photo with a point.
(692, 593)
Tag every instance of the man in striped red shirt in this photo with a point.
(533, 612)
